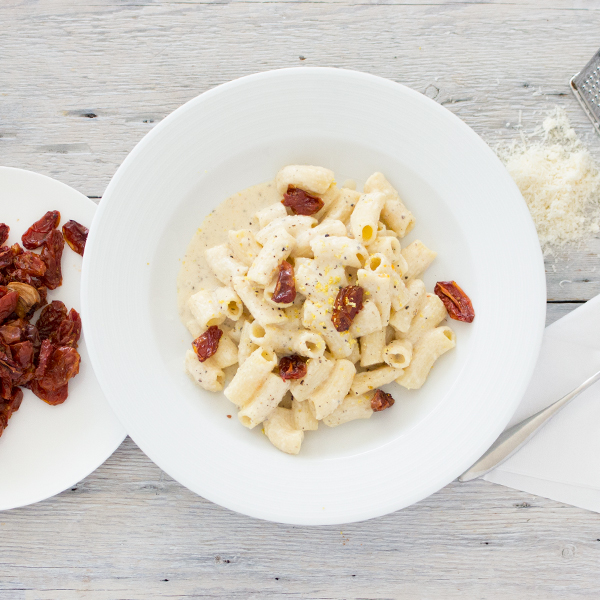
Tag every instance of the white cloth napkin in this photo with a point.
(562, 461)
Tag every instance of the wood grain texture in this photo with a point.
(80, 85)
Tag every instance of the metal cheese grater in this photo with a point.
(586, 87)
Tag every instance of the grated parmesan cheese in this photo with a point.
(559, 180)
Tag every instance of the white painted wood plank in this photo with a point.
(128, 528)
(130, 531)
(132, 64)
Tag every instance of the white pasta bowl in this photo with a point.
(467, 209)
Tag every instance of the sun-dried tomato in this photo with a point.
(52, 397)
(10, 333)
(4, 231)
(457, 303)
(8, 303)
(50, 318)
(46, 351)
(6, 257)
(301, 203)
(43, 292)
(51, 254)
(292, 367)
(37, 234)
(207, 344)
(31, 263)
(381, 401)
(75, 235)
(31, 334)
(62, 365)
(69, 330)
(10, 406)
(23, 356)
(347, 305)
(285, 288)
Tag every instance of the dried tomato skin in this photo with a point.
(301, 202)
(37, 234)
(8, 303)
(30, 263)
(23, 355)
(10, 406)
(69, 330)
(457, 303)
(6, 257)
(51, 254)
(207, 344)
(10, 334)
(46, 351)
(285, 288)
(50, 318)
(52, 397)
(348, 303)
(75, 235)
(380, 401)
(62, 366)
(4, 231)
(292, 367)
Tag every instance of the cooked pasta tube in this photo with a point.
(264, 401)
(304, 419)
(418, 257)
(352, 408)
(365, 217)
(319, 282)
(329, 395)
(206, 374)
(226, 354)
(394, 214)
(270, 213)
(317, 318)
(401, 319)
(367, 320)
(281, 431)
(250, 376)
(246, 346)
(371, 348)
(244, 246)
(212, 307)
(293, 224)
(327, 228)
(431, 314)
(288, 341)
(253, 298)
(427, 350)
(306, 177)
(342, 208)
(339, 250)
(222, 263)
(317, 371)
(274, 251)
(378, 286)
(371, 380)
(398, 354)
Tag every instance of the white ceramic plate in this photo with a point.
(47, 449)
(239, 134)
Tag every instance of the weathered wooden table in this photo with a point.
(80, 84)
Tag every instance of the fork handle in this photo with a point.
(518, 435)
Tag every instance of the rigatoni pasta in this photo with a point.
(311, 304)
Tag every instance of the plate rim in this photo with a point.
(87, 471)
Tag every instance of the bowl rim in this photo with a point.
(148, 139)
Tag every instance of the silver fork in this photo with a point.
(518, 435)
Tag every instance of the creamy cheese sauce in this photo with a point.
(237, 212)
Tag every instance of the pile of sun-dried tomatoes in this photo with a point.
(42, 356)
